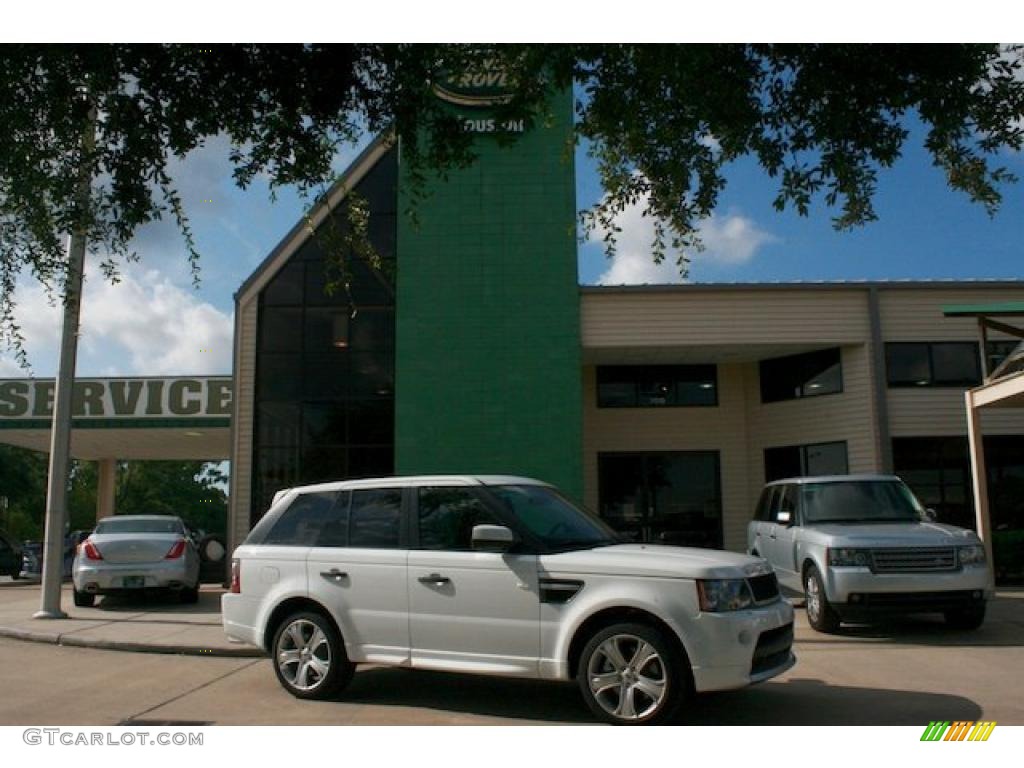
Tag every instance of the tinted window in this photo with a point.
(311, 520)
(858, 501)
(761, 513)
(140, 525)
(551, 517)
(805, 375)
(447, 517)
(651, 386)
(375, 518)
(936, 364)
(805, 460)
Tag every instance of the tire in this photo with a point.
(84, 599)
(820, 614)
(966, 618)
(302, 679)
(189, 595)
(619, 692)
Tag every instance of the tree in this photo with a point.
(661, 121)
(192, 490)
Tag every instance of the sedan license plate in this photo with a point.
(134, 582)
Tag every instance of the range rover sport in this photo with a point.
(503, 576)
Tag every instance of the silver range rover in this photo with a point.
(859, 546)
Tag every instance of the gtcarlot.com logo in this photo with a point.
(961, 730)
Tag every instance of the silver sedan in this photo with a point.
(136, 553)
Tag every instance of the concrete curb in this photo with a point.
(242, 651)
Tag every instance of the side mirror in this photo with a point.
(930, 515)
(783, 518)
(492, 538)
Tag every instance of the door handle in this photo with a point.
(334, 574)
(434, 580)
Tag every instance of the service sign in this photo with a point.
(120, 398)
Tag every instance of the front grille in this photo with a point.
(913, 560)
(773, 649)
(764, 588)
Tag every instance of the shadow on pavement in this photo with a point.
(472, 694)
(786, 702)
(815, 702)
(209, 603)
(925, 630)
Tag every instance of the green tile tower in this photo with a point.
(488, 334)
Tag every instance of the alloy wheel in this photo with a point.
(303, 655)
(627, 677)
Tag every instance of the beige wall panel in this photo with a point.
(938, 411)
(721, 428)
(916, 314)
(718, 317)
(828, 418)
(245, 383)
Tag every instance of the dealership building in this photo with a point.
(470, 347)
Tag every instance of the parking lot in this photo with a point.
(905, 673)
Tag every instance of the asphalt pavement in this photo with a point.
(904, 673)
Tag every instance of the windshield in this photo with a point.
(552, 518)
(859, 501)
(140, 525)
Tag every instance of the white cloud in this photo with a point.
(143, 325)
(731, 239)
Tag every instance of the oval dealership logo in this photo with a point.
(481, 87)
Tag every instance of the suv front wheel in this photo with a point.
(631, 674)
(820, 614)
(309, 657)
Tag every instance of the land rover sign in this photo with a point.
(123, 398)
(482, 87)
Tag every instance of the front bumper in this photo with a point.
(859, 591)
(740, 648)
(109, 578)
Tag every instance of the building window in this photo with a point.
(806, 375)
(667, 498)
(653, 386)
(324, 401)
(998, 351)
(937, 469)
(936, 364)
(811, 460)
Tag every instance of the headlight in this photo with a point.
(717, 595)
(972, 555)
(846, 556)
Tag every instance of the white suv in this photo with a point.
(503, 576)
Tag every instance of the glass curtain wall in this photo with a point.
(325, 361)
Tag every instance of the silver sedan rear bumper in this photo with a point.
(110, 577)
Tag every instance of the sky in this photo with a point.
(155, 322)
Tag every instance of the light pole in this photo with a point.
(60, 432)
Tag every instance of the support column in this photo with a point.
(105, 487)
(979, 480)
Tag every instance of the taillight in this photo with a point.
(236, 576)
(91, 553)
(176, 551)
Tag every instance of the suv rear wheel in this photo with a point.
(309, 657)
(631, 674)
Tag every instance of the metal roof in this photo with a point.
(825, 285)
